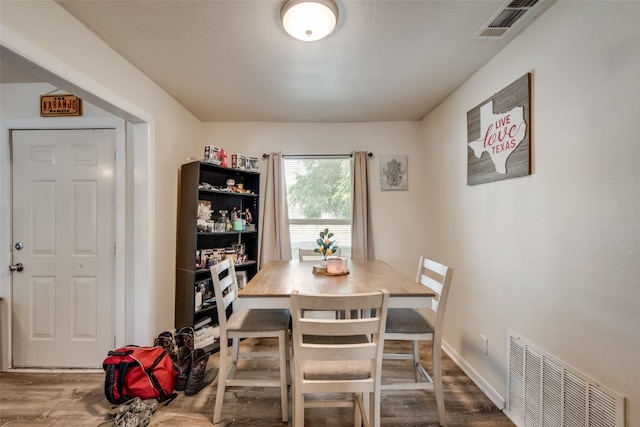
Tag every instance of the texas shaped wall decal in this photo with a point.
(500, 134)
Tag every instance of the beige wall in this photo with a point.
(396, 214)
(553, 256)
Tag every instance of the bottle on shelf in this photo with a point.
(221, 224)
(237, 220)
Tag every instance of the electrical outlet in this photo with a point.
(484, 344)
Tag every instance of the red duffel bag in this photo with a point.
(144, 372)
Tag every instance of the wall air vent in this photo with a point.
(544, 391)
(511, 13)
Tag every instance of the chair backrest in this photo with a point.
(309, 254)
(225, 288)
(436, 277)
(355, 339)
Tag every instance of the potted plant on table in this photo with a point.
(326, 246)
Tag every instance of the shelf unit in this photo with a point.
(189, 239)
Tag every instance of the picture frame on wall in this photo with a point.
(498, 135)
(394, 173)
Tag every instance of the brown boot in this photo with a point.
(167, 341)
(199, 376)
(184, 367)
(185, 338)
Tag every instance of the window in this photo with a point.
(319, 197)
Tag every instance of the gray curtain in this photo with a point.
(275, 242)
(361, 235)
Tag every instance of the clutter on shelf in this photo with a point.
(218, 156)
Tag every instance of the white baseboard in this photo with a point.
(484, 386)
(57, 370)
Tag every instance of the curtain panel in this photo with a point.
(275, 242)
(361, 234)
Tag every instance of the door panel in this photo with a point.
(63, 214)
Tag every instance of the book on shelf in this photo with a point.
(206, 336)
(202, 322)
(241, 277)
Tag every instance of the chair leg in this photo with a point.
(358, 409)
(298, 407)
(375, 413)
(369, 404)
(368, 415)
(222, 381)
(283, 345)
(415, 345)
(235, 354)
(437, 385)
(289, 358)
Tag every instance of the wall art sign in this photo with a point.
(498, 135)
(60, 105)
(394, 173)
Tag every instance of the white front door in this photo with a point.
(63, 235)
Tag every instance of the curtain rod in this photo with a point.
(266, 156)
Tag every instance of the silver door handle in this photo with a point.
(16, 267)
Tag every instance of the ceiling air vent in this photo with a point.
(506, 18)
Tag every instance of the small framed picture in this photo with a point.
(394, 171)
(212, 154)
(206, 258)
(252, 163)
(242, 161)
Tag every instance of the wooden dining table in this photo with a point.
(272, 286)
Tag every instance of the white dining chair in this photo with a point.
(246, 323)
(408, 324)
(338, 356)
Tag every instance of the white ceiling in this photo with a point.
(230, 60)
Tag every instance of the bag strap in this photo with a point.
(111, 383)
(120, 353)
(156, 384)
(108, 383)
(122, 373)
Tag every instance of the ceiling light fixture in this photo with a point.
(309, 20)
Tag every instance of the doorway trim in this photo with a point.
(132, 271)
(119, 273)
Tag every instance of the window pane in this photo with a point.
(305, 236)
(319, 197)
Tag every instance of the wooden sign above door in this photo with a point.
(60, 106)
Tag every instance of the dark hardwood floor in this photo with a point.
(77, 399)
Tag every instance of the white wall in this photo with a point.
(78, 56)
(21, 101)
(554, 256)
(396, 214)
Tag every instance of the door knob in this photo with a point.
(16, 267)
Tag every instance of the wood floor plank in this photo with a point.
(77, 400)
